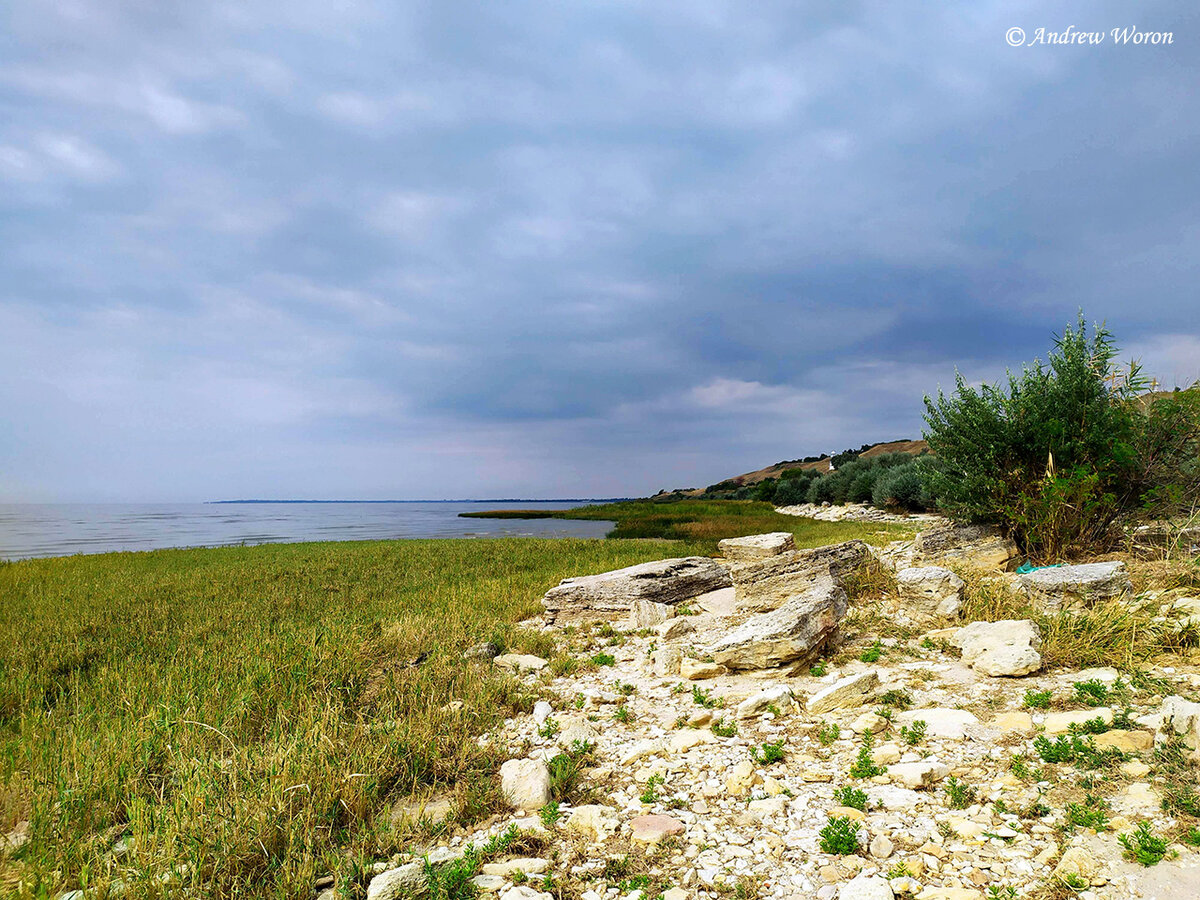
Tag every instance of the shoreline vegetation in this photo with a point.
(708, 521)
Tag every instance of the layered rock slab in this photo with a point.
(768, 583)
(1063, 587)
(794, 633)
(610, 595)
(1005, 648)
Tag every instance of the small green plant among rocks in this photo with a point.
(650, 794)
(915, 733)
(1038, 699)
(960, 795)
(604, 659)
(1092, 692)
(549, 728)
(623, 715)
(818, 671)
(840, 837)
(864, 765)
(1143, 845)
(828, 733)
(550, 814)
(851, 797)
(767, 754)
(1007, 892)
(899, 870)
(1091, 726)
(872, 653)
(724, 729)
(896, 699)
(1192, 837)
(1091, 813)
(701, 697)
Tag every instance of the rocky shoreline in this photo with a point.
(727, 746)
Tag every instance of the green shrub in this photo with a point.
(864, 765)
(770, 753)
(915, 733)
(902, 487)
(840, 836)
(960, 795)
(1092, 692)
(1063, 451)
(828, 733)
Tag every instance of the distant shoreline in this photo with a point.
(467, 500)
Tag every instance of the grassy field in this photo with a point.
(707, 521)
(245, 717)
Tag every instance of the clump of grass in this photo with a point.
(1092, 692)
(840, 836)
(1038, 699)
(603, 659)
(567, 768)
(650, 794)
(896, 699)
(872, 653)
(1092, 812)
(724, 729)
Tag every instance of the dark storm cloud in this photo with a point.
(445, 249)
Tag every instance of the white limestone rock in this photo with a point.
(930, 592)
(1005, 648)
(525, 783)
(794, 633)
(1063, 587)
(757, 546)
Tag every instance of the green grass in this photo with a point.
(708, 521)
(252, 713)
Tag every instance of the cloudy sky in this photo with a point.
(376, 248)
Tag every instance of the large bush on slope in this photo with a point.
(1064, 451)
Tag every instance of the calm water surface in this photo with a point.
(60, 529)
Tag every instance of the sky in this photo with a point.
(382, 249)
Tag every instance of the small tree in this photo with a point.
(1053, 455)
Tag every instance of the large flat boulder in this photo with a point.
(757, 546)
(765, 584)
(1064, 587)
(610, 595)
(979, 545)
(794, 633)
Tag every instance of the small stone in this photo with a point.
(947, 724)
(869, 723)
(696, 670)
(1061, 722)
(866, 887)
(917, 775)
(886, 755)
(525, 783)
(881, 847)
(1008, 723)
(676, 627)
(653, 829)
(524, 892)
(1135, 768)
(1078, 862)
(519, 662)
(485, 651)
(594, 821)
(1125, 741)
(667, 660)
(398, 882)
(530, 865)
(780, 697)
(489, 884)
(757, 546)
(846, 693)
(675, 894)
(996, 649)
(542, 711)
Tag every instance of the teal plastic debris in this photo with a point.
(1026, 567)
